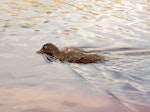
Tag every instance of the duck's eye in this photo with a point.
(45, 47)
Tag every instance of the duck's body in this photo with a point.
(70, 55)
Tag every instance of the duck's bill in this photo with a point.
(40, 51)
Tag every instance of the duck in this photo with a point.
(71, 55)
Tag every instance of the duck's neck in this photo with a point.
(61, 56)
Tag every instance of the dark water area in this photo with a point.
(118, 29)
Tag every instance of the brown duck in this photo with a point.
(70, 55)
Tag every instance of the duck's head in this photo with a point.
(49, 49)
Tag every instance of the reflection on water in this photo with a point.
(33, 100)
(119, 29)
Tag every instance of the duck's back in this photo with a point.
(78, 57)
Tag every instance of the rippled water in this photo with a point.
(118, 29)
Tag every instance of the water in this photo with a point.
(118, 29)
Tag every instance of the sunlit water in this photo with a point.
(118, 29)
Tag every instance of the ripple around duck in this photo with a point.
(130, 78)
(122, 79)
(128, 93)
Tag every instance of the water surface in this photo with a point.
(118, 29)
